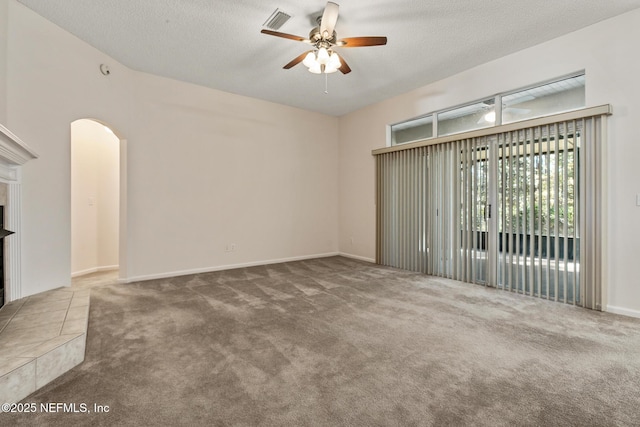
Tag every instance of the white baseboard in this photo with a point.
(623, 311)
(360, 258)
(95, 270)
(223, 267)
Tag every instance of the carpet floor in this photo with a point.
(334, 341)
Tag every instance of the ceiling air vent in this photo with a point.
(276, 20)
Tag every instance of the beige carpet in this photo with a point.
(339, 342)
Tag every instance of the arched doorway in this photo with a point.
(97, 182)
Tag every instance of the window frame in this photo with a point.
(497, 108)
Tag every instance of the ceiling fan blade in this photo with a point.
(329, 19)
(298, 59)
(285, 36)
(344, 68)
(362, 41)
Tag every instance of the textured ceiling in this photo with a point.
(217, 43)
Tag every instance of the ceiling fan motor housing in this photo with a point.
(316, 37)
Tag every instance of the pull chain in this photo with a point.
(326, 83)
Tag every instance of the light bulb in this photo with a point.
(330, 68)
(323, 56)
(490, 117)
(310, 60)
(334, 60)
(316, 68)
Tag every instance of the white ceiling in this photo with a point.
(217, 43)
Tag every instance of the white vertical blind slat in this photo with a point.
(548, 212)
(511, 270)
(565, 201)
(541, 214)
(532, 202)
(556, 204)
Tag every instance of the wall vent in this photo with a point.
(276, 20)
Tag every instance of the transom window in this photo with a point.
(558, 96)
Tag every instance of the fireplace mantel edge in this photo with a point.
(13, 151)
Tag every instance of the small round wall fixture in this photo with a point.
(104, 69)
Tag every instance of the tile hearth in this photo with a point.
(41, 337)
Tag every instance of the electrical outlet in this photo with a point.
(232, 247)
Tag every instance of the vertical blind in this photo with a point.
(431, 209)
(517, 207)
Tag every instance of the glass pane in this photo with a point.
(556, 97)
(412, 130)
(470, 117)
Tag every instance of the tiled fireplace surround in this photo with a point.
(41, 336)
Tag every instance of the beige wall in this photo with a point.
(208, 169)
(53, 80)
(4, 16)
(205, 168)
(602, 50)
(94, 197)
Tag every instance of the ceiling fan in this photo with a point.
(322, 58)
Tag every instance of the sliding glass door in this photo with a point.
(507, 209)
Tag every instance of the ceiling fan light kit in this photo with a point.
(323, 59)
